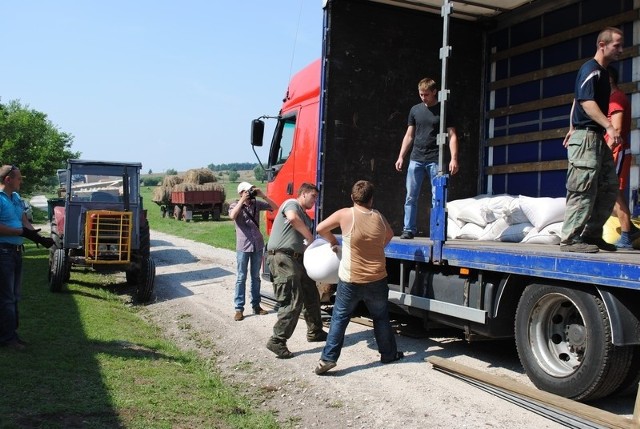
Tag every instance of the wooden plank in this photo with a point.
(629, 52)
(557, 402)
(559, 100)
(527, 167)
(528, 137)
(539, 136)
(593, 27)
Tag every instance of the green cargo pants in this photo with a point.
(592, 186)
(293, 289)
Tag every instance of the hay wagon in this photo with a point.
(194, 194)
(185, 204)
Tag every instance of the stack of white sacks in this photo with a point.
(516, 219)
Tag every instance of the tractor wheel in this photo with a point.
(205, 215)
(132, 277)
(216, 213)
(146, 278)
(564, 341)
(57, 270)
(145, 239)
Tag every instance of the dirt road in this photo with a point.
(193, 301)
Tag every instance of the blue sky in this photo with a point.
(171, 84)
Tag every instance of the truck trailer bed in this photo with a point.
(620, 268)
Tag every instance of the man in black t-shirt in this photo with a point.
(422, 132)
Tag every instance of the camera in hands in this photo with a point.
(252, 193)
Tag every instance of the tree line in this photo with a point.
(30, 141)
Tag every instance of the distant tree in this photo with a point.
(233, 166)
(33, 143)
(233, 176)
(150, 171)
(152, 181)
(259, 173)
(171, 172)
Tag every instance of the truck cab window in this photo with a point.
(282, 141)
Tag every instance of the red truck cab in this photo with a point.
(293, 155)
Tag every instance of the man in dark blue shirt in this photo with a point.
(591, 176)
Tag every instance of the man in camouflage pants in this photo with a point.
(292, 287)
(591, 177)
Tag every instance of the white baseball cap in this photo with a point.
(244, 186)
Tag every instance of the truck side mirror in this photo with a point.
(257, 132)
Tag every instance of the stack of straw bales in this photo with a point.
(197, 179)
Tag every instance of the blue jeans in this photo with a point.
(10, 281)
(244, 259)
(375, 296)
(415, 177)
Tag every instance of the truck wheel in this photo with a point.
(57, 264)
(145, 280)
(629, 385)
(563, 337)
(164, 211)
(177, 213)
(216, 214)
(205, 215)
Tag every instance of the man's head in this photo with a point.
(427, 91)
(609, 44)
(10, 177)
(307, 195)
(362, 193)
(244, 186)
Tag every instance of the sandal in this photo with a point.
(324, 366)
(398, 356)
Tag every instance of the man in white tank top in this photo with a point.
(362, 274)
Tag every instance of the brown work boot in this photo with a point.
(238, 317)
(317, 337)
(280, 349)
(259, 310)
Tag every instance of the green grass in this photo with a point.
(94, 362)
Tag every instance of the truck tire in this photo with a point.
(146, 279)
(564, 342)
(216, 214)
(205, 215)
(629, 385)
(57, 270)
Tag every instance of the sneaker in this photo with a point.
(258, 310)
(600, 243)
(280, 349)
(406, 235)
(634, 233)
(317, 337)
(239, 316)
(624, 243)
(579, 247)
(398, 356)
(324, 366)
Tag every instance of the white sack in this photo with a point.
(493, 230)
(321, 262)
(515, 233)
(470, 231)
(542, 211)
(548, 235)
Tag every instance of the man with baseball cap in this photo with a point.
(13, 227)
(245, 212)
